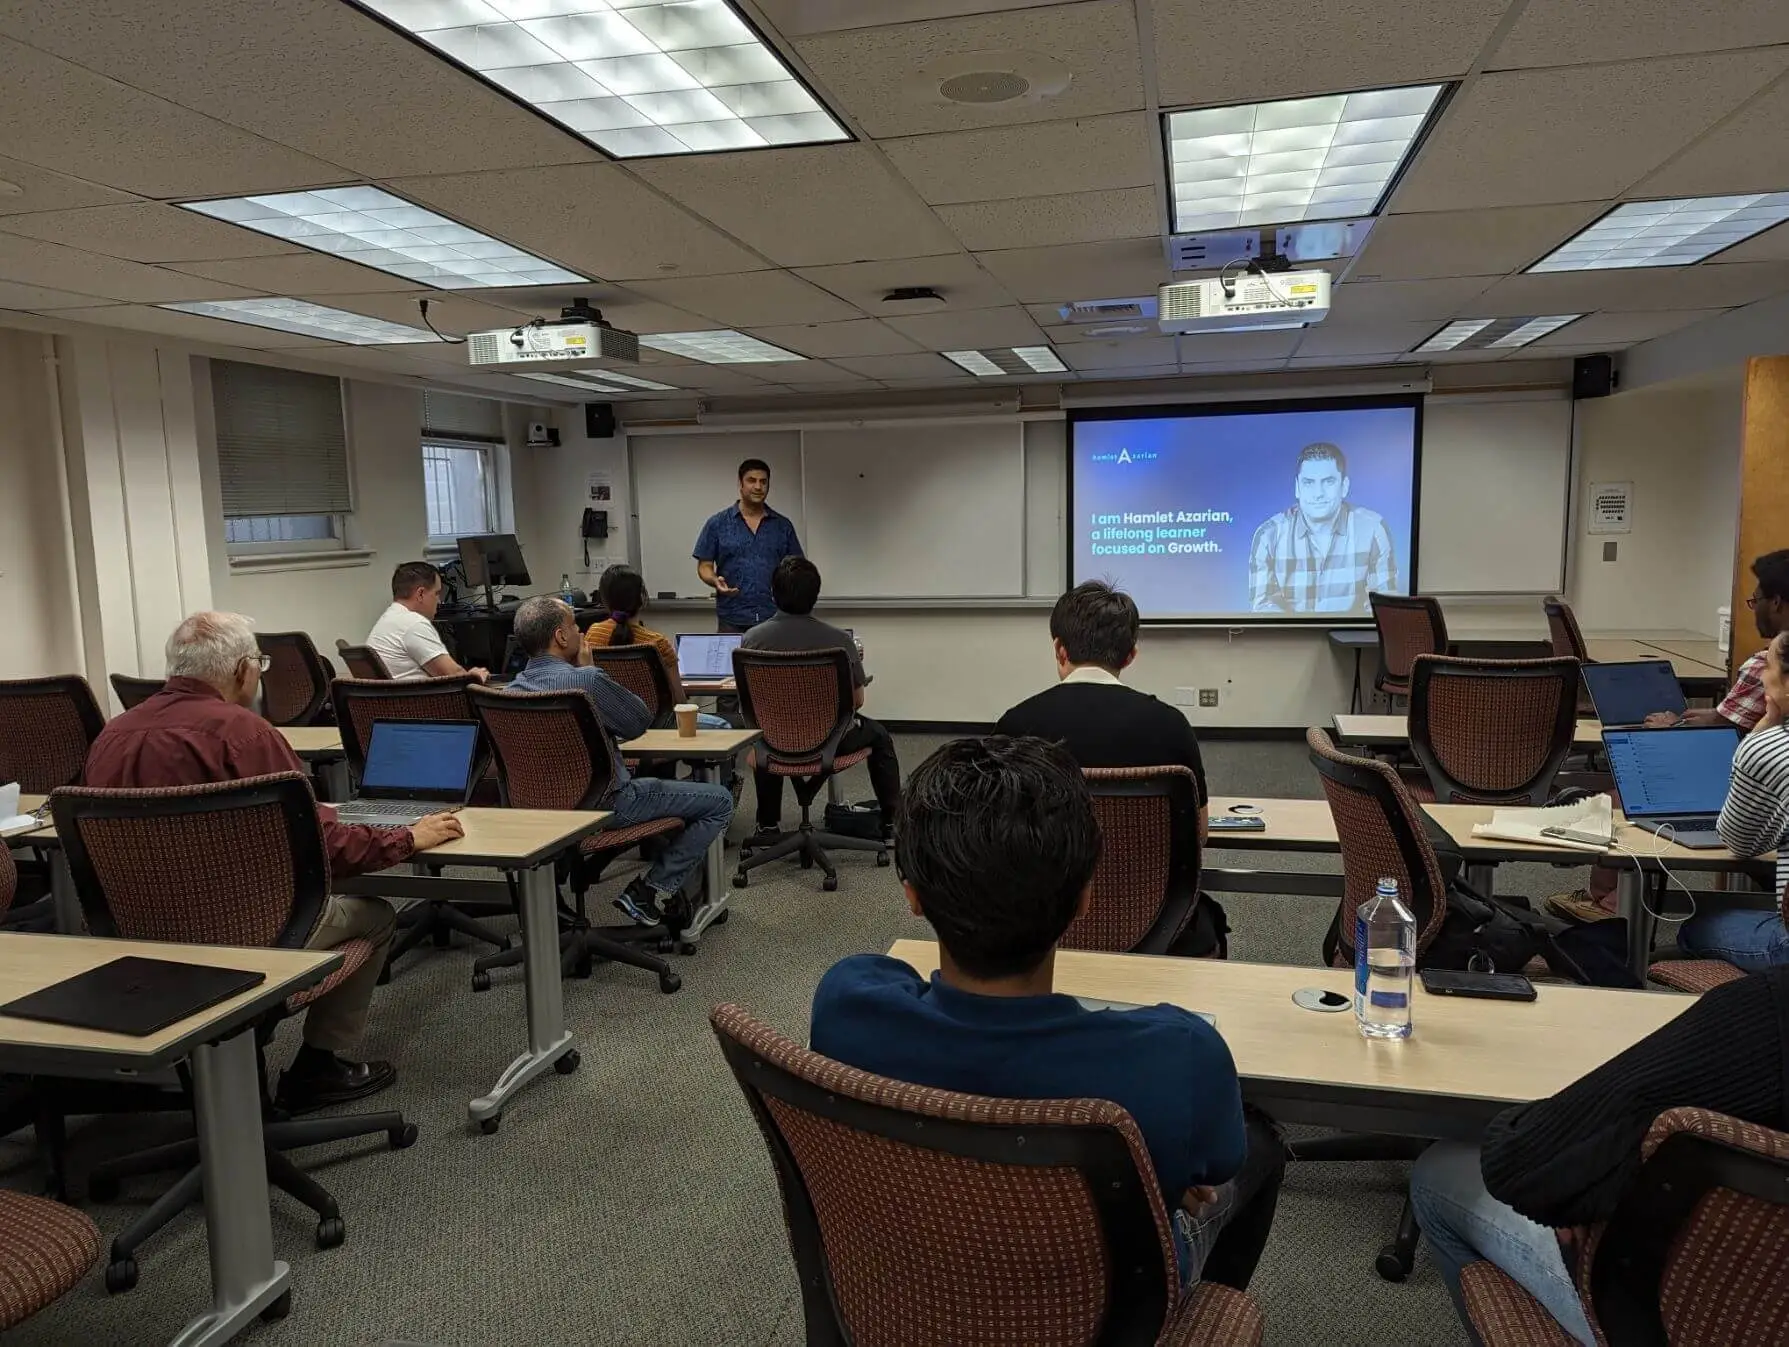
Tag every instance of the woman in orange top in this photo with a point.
(623, 593)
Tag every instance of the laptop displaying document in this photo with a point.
(1627, 691)
(1674, 778)
(706, 655)
(413, 768)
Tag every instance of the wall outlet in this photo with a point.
(1208, 697)
(1609, 551)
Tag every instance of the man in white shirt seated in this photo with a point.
(405, 638)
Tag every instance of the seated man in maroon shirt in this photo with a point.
(199, 729)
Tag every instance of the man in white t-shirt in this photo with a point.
(404, 637)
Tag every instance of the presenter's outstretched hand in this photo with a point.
(722, 587)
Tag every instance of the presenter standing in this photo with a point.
(736, 553)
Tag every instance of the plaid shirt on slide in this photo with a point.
(1287, 575)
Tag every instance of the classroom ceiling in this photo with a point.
(109, 112)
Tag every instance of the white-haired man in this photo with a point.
(199, 729)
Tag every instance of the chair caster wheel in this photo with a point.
(669, 982)
(830, 883)
(490, 1125)
(278, 1309)
(402, 1138)
(568, 1063)
(481, 982)
(882, 859)
(721, 919)
(102, 1188)
(1389, 1266)
(740, 880)
(121, 1276)
(331, 1232)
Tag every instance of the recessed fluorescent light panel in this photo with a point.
(718, 348)
(376, 229)
(1008, 360)
(1300, 159)
(632, 77)
(1493, 334)
(615, 385)
(1667, 233)
(312, 320)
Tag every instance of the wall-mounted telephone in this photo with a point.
(595, 525)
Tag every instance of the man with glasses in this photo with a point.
(199, 729)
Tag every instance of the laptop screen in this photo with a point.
(1628, 691)
(706, 656)
(1671, 771)
(420, 759)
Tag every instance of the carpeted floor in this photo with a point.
(633, 1202)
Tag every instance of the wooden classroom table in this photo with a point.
(246, 1279)
(1702, 650)
(1465, 1061)
(1604, 650)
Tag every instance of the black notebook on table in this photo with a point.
(133, 996)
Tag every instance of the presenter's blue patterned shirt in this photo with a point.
(745, 560)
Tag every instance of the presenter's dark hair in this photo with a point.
(1772, 570)
(412, 576)
(1096, 624)
(997, 837)
(753, 465)
(795, 585)
(623, 593)
(1314, 453)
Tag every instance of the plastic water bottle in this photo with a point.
(565, 586)
(1384, 964)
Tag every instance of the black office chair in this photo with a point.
(362, 661)
(135, 691)
(1409, 625)
(1492, 731)
(295, 688)
(1146, 886)
(639, 669)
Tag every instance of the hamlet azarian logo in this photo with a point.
(1125, 456)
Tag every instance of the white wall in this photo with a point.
(559, 480)
(42, 625)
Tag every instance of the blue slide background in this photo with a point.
(1241, 463)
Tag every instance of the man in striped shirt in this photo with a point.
(1324, 554)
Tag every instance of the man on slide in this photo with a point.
(736, 554)
(1325, 554)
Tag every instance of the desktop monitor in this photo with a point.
(493, 559)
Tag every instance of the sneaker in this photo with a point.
(640, 904)
(1578, 906)
(764, 837)
(337, 1082)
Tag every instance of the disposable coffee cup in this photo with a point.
(686, 720)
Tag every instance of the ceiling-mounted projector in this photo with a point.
(579, 337)
(1254, 302)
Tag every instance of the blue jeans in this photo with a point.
(706, 810)
(704, 721)
(1746, 939)
(1464, 1223)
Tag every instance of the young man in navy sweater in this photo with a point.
(997, 845)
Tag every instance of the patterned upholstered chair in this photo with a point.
(46, 727)
(911, 1210)
(362, 661)
(358, 703)
(1568, 643)
(35, 916)
(639, 669)
(295, 688)
(1147, 883)
(1697, 1254)
(1491, 731)
(47, 1249)
(135, 691)
(1704, 975)
(802, 701)
(1409, 625)
(239, 863)
(553, 753)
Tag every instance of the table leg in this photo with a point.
(548, 1039)
(1354, 696)
(1480, 878)
(336, 780)
(64, 901)
(714, 865)
(245, 1278)
(1630, 901)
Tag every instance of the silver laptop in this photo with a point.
(414, 768)
(1674, 779)
(706, 655)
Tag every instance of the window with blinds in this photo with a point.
(452, 416)
(282, 447)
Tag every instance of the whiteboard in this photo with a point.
(680, 480)
(1496, 482)
(928, 511)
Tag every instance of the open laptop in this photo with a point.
(1674, 778)
(1627, 691)
(414, 768)
(706, 655)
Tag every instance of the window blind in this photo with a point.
(281, 446)
(452, 416)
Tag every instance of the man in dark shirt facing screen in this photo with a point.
(997, 845)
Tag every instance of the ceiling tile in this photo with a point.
(861, 336)
(970, 331)
(812, 206)
(1371, 338)
(901, 367)
(1333, 361)
(312, 74)
(1210, 347)
(142, 318)
(1573, 32)
(35, 262)
(706, 378)
(1120, 270)
(1621, 328)
(754, 299)
(386, 359)
(454, 313)
(299, 274)
(857, 385)
(46, 189)
(34, 297)
(1770, 246)
(798, 18)
(1644, 290)
(625, 309)
(1579, 134)
(1467, 243)
(1046, 221)
(959, 281)
(1350, 44)
(811, 372)
(1036, 159)
(1749, 152)
(1132, 353)
(875, 74)
(145, 232)
(81, 123)
(593, 218)
(1231, 366)
(1395, 300)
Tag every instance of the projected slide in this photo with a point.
(1284, 511)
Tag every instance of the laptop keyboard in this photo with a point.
(381, 813)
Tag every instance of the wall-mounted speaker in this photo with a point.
(1593, 376)
(599, 420)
